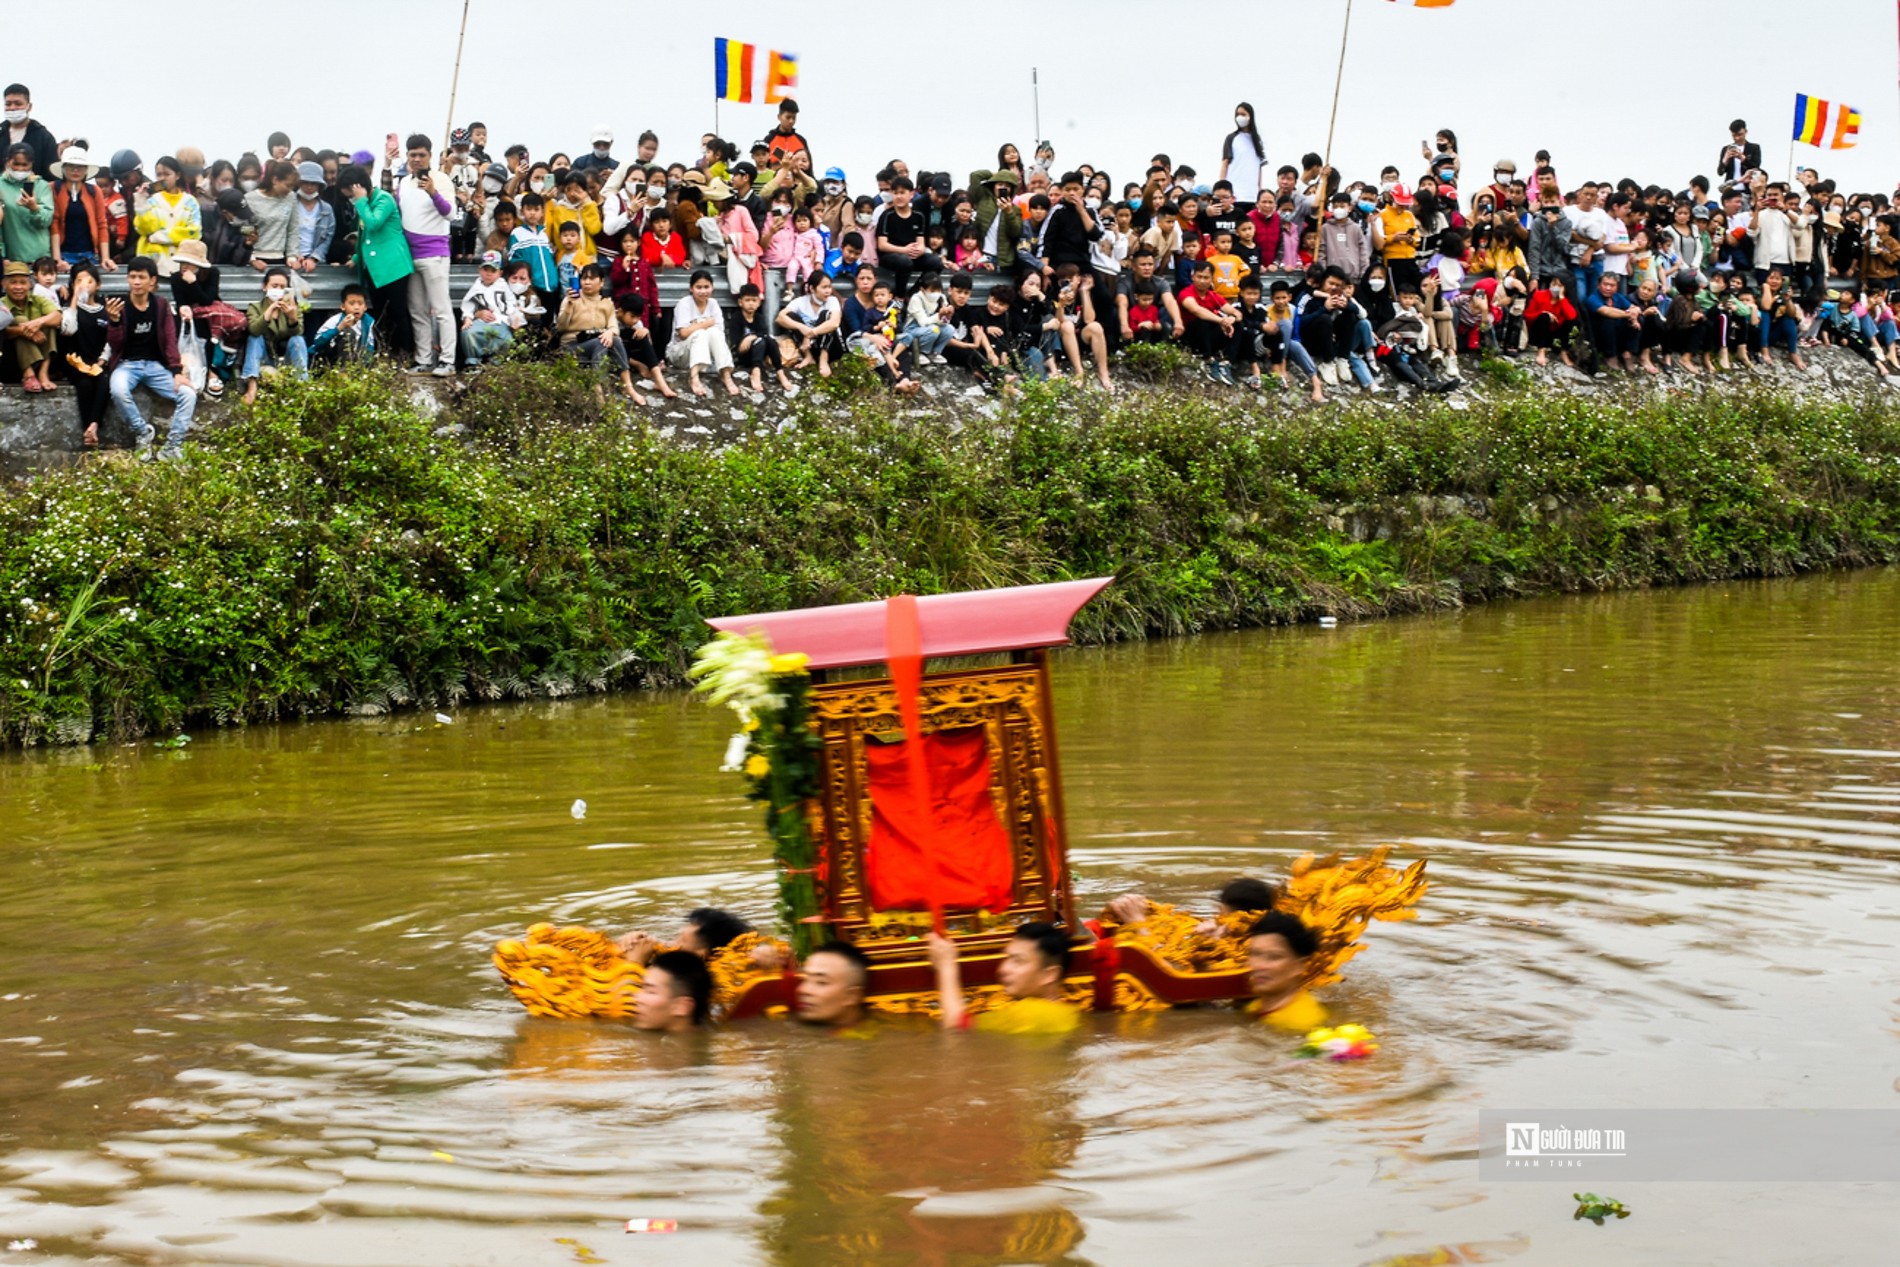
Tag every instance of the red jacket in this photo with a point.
(672, 251)
(1542, 304)
(95, 204)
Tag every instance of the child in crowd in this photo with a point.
(529, 244)
(349, 336)
(925, 317)
(491, 312)
(46, 281)
(1144, 314)
(642, 345)
(1246, 245)
(1407, 340)
(501, 236)
(969, 253)
(1228, 267)
(660, 247)
(1186, 262)
(966, 348)
(1256, 337)
(1032, 320)
(808, 250)
(843, 261)
(754, 349)
(568, 250)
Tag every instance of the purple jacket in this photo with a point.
(164, 327)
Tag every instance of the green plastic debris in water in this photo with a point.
(1596, 1209)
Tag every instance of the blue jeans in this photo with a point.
(256, 354)
(76, 258)
(928, 340)
(1784, 330)
(1585, 279)
(484, 339)
(1296, 351)
(127, 376)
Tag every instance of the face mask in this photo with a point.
(308, 195)
(1444, 173)
(864, 218)
(247, 185)
(1385, 186)
(1375, 284)
(781, 211)
(1443, 148)
(602, 150)
(1500, 178)
(519, 288)
(18, 178)
(1556, 292)
(490, 185)
(834, 187)
(1367, 207)
(16, 116)
(1867, 211)
(1093, 204)
(656, 192)
(1241, 121)
(1340, 213)
(275, 293)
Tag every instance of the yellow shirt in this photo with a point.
(1029, 1016)
(1228, 270)
(1397, 220)
(1300, 1014)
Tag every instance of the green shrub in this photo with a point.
(338, 548)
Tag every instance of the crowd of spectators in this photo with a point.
(1021, 269)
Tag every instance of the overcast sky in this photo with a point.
(1643, 88)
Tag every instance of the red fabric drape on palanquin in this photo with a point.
(935, 837)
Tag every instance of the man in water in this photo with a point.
(1243, 894)
(1034, 964)
(675, 996)
(1277, 952)
(831, 989)
(708, 930)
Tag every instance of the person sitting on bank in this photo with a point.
(675, 994)
(1034, 964)
(831, 987)
(1278, 949)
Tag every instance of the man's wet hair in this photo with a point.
(1051, 942)
(1246, 893)
(860, 962)
(691, 978)
(1299, 938)
(717, 928)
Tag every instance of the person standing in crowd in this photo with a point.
(600, 156)
(23, 129)
(1396, 236)
(1740, 156)
(784, 140)
(165, 215)
(997, 218)
(425, 225)
(1243, 158)
(314, 223)
(273, 208)
(80, 232)
(382, 253)
(144, 341)
(26, 202)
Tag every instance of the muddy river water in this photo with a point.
(248, 1016)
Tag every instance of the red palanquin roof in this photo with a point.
(973, 623)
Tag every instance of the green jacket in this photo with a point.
(382, 252)
(983, 203)
(26, 235)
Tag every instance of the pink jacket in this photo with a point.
(808, 258)
(742, 238)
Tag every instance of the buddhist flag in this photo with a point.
(1812, 120)
(781, 77)
(1426, 4)
(732, 70)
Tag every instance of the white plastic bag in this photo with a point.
(191, 355)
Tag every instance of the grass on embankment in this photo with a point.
(329, 551)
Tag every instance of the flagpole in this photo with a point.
(455, 81)
(1326, 168)
(1035, 92)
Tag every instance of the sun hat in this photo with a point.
(77, 156)
(718, 190)
(191, 251)
(310, 173)
(18, 268)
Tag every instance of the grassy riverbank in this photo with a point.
(332, 550)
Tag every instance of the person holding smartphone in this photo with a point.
(425, 224)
